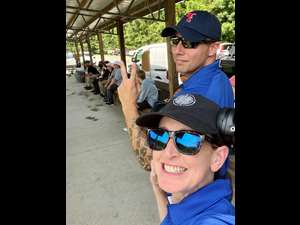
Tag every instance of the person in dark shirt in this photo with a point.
(92, 75)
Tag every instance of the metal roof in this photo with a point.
(85, 17)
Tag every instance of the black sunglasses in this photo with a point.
(187, 142)
(174, 40)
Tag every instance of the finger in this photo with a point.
(123, 71)
(133, 72)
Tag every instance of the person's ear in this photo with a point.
(218, 158)
(213, 48)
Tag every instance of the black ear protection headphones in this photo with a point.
(226, 126)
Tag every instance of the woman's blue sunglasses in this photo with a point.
(187, 142)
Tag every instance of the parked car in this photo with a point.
(131, 53)
(116, 52)
(70, 60)
(227, 63)
(223, 49)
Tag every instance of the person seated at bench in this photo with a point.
(91, 75)
(79, 73)
(100, 81)
(113, 82)
(104, 77)
(148, 92)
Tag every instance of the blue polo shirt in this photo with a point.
(210, 205)
(211, 82)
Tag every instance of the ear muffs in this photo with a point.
(226, 126)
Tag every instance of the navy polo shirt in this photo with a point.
(210, 205)
(211, 82)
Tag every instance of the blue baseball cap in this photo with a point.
(196, 26)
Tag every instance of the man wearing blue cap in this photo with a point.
(194, 42)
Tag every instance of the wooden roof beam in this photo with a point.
(74, 17)
(106, 9)
(109, 25)
(100, 17)
(116, 14)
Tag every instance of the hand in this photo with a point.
(127, 91)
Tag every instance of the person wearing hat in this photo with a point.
(104, 78)
(188, 150)
(113, 82)
(194, 43)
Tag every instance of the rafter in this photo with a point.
(128, 14)
(74, 17)
(136, 12)
(106, 9)
(101, 17)
(117, 6)
(128, 8)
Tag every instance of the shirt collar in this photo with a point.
(199, 201)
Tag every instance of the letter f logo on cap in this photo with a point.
(189, 16)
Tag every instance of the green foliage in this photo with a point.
(94, 44)
(110, 41)
(70, 46)
(141, 32)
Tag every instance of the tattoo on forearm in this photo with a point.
(139, 143)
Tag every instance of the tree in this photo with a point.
(70, 46)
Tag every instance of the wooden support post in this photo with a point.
(169, 6)
(82, 50)
(77, 52)
(121, 41)
(101, 46)
(89, 48)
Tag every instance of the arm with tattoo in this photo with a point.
(128, 94)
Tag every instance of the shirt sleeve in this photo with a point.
(118, 75)
(143, 93)
(220, 91)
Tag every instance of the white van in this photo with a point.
(157, 63)
(70, 60)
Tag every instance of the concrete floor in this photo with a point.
(104, 183)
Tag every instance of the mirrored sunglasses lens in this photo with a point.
(157, 139)
(188, 143)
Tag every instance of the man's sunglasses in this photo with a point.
(187, 44)
(187, 142)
